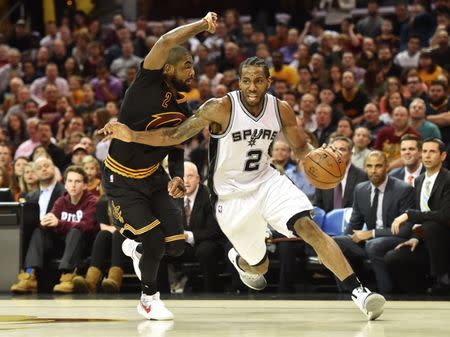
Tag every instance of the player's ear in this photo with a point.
(168, 69)
(269, 82)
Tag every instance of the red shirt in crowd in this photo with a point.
(81, 215)
(388, 142)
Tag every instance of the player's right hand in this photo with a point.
(211, 20)
(114, 129)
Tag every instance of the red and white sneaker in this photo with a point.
(129, 249)
(371, 304)
(151, 307)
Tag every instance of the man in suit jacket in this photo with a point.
(204, 239)
(44, 197)
(342, 195)
(410, 151)
(377, 203)
(432, 215)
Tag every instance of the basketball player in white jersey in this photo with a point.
(247, 193)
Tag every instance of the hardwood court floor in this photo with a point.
(65, 317)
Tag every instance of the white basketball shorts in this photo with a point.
(244, 219)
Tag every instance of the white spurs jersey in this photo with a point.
(239, 158)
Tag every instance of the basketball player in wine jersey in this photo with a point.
(247, 193)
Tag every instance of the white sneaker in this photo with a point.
(371, 304)
(253, 281)
(151, 307)
(129, 249)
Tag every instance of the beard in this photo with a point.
(180, 85)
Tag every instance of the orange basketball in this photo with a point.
(324, 168)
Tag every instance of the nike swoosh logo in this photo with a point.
(147, 309)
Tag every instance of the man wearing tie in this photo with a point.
(203, 236)
(342, 195)
(432, 218)
(376, 203)
(410, 148)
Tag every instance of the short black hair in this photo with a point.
(440, 83)
(176, 54)
(255, 62)
(436, 141)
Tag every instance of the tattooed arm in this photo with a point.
(215, 111)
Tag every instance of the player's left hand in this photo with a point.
(114, 129)
(176, 188)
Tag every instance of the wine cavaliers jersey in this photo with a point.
(148, 104)
(239, 158)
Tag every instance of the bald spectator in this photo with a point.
(51, 76)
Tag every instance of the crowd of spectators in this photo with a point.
(370, 81)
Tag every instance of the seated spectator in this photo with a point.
(376, 203)
(393, 100)
(345, 127)
(29, 181)
(281, 156)
(5, 179)
(106, 255)
(51, 76)
(388, 139)
(410, 148)
(120, 65)
(308, 104)
(409, 58)
(428, 70)
(16, 130)
(416, 89)
(281, 71)
(105, 86)
(361, 141)
(351, 100)
(438, 107)
(92, 169)
(349, 64)
(431, 214)
(371, 24)
(202, 233)
(70, 226)
(57, 154)
(16, 179)
(324, 120)
(372, 120)
(342, 195)
(426, 129)
(6, 158)
(78, 154)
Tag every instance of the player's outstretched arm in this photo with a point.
(157, 56)
(295, 136)
(212, 111)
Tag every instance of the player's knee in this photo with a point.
(175, 248)
(153, 243)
